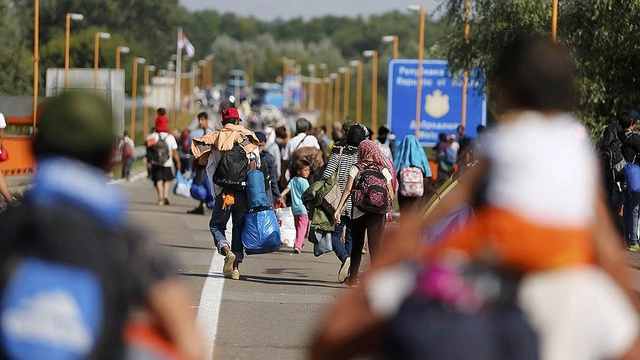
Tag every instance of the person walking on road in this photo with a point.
(127, 150)
(344, 156)
(631, 153)
(269, 167)
(74, 268)
(229, 153)
(371, 185)
(199, 170)
(297, 186)
(164, 154)
(303, 139)
(413, 173)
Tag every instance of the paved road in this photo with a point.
(270, 312)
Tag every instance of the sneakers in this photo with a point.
(634, 248)
(297, 251)
(227, 270)
(197, 211)
(235, 274)
(344, 270)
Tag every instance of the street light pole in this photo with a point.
(347, 79)
(394, 39)
(119, 50)
(465, 74)
(312, 87)
(36, 59)
(147, 68)
(358, 65)
(96, 57)
(250, 70)
(330, 92)
(336, 98)
(323, 114)
(373, 54)
(134, 89)
(67, 36)
(421, 8)
(554, 21)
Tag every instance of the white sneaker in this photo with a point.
(235, 274)
(344, 270)
(229, 259)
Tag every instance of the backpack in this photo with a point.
(370, 193)
(612, 159)
(411, 182)
(231, 172)
(314, 156)
(127, 150)
(161, 153)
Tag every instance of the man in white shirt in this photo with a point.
(161, 161)
(302, 139)
(127, 150)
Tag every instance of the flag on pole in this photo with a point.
(186, 45)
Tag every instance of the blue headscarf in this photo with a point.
(410, 153)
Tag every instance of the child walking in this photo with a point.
(297, 186)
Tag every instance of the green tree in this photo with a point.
(15, 59)
(602, 35)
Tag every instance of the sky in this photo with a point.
(286, 9)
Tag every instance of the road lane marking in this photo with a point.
(209, 307)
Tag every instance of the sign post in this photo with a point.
(441, 101)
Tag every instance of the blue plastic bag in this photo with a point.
(182, 186)
(202, 191)
(632, 175)
(261, 234)
(256, 191)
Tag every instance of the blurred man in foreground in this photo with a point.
(73, 268)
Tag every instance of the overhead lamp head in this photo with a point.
(354, 62)
(322, 66)
(76, 17)
(388, 38)
(342, 70)
(151, 67)
(368, 53)
(333, 75)
(104, 35)
(124, 49)
(414, 7)
(141, 60)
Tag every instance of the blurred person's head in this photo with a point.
(533, 73)
(481, 129)
(77, 125)
(225, 104)
(281, 132)
(461, 130)
(357, 134)
(175, 132)
(627, 122)
(452, 138)
(302, 126)
(125, 133)
(161, 112)
(323, 129)
(203, 120)
(262, 139)
(442, 137)
(230, 115)
(383, 132)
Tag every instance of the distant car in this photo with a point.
(270, 112)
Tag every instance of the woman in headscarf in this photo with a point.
(366, 222)
(343, 156)
(409, 159)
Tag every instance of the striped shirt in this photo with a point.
(342, 164)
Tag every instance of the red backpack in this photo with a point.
(370, 193)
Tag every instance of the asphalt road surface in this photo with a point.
(270, 313)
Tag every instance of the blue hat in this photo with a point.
(634, 114)
(261, 136)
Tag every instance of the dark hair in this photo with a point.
(301, 164)
(302, 126)
(324, 128)
(480, 129)
(383, 131)
(442, 137)
(125, 133)
(357, 133)
(533, 73)
(281, 132)
(203, 115)
(626, 121)
(162, 111)
(225, 104)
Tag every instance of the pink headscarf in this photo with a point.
(369, 154)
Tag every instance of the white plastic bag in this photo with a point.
(287, 226)
(182, 186)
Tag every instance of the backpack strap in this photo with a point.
(301, 142)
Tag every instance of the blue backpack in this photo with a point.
(261, 233)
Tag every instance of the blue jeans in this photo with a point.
(343, 251)
(219, 219)
(630, 220)
(127, 162)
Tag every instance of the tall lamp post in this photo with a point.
(312, 86)
(465, 73)
(336, 98)
(96, 56)
(120, 50)
(330, 92)
(36, 59)
(347, 79)
(323, 67)
(373, 54)
(147, 69)
(134, 90)
(250, 82)
(394, 40)
(67, 36)
(421, 9)
(358, 65)
(554, 20)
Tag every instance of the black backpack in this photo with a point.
(161, 153)
(231, 172)
(612, 159)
